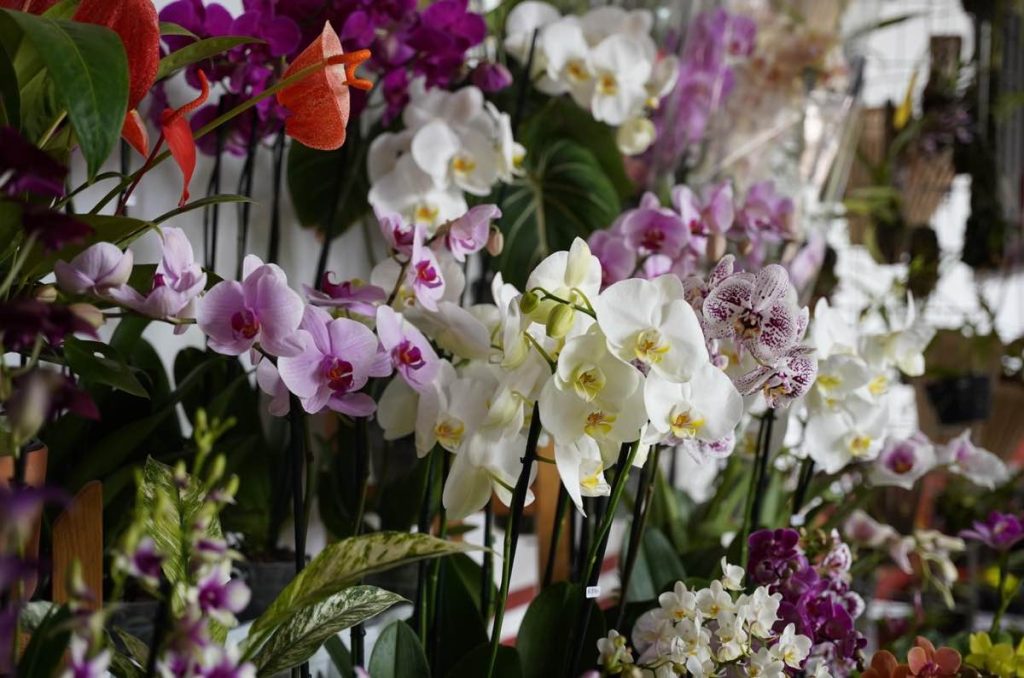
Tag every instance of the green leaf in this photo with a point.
(89, 71)
(298, 639)
(138, 651)
(564, 195)
(197, 51)
(398, 654)
(171, 28)
(460, 627)
(340, 656)
(100, 363)
(544, 636)
(506, 665)
(200, 203)
(345, 563)
(45, 650)
(10, 93)
(326, 184)
(657, 567)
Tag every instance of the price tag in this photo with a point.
(593, 591)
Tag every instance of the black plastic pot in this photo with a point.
(265, 580)
(962, 399)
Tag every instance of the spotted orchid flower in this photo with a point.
(337, 358)
(261, 309)
(759, 311)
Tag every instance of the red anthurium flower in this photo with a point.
(137, 24)
(319, 104)
(175, 129)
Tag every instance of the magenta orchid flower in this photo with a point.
(790, 378)
(97, 269)
(618, 261)
(468, 234)
(352, 295)
(765, 214)
(177, 282)
(261, 309)
(338, 357)
(1000, 531)
(411, 354)
(398, 234)
(712, 213)
(760, 312)
(653, 229)
(220, 597)
(423, 273)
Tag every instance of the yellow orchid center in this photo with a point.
(599, 424)
(650, 347)
(829, 381)
(685, 424)
(591, 481)
(463, 165)
(426, 214)
(859, 445)
(576, 70)
(879, 385)
(588, 381)
(607, 84)
(449, 433)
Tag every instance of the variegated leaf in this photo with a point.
(296, 640)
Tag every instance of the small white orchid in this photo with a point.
(706, 408)
(792, 648)
(574, 276)
(732, 576)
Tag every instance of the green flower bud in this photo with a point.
(560, 321)
(528, 302)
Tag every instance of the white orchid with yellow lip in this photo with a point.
(706, 408)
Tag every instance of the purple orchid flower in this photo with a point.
(39, 396)
(468, 234)
(903, 462)
(790, 378)
(398, 234)
(82, 665)
(491, 77)
(618, 260)
(353, 295)
(773, 554)
(24, 168)
(338, 357)
(19, 509)
(51, 228)
(976, 464)
(1000, 531)
(261, 309)
(713, 212)
(759, 311)
(220, 662)
(22, 320)
(423, 273)
(411, 354)
(144, 562)
(765, 214)
(653, 229)
(220, 597)
(97, 269)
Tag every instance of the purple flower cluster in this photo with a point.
(716, 41)
(244, 71)
(1000, 531)
(406, 41)
(816, 594)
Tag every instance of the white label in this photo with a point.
(593, 591)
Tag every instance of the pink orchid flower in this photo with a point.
(411, 354)
(423, 274)
(711, 213)
(653, 229)
(398, 234)
(338, 357)
(261, 309)
(468, 234)
(618, 261)
(352, 295)
(177, 282)
(97, 269)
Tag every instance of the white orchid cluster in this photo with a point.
(848, 406)
(452, 143)
(605, 59)
(707, 632)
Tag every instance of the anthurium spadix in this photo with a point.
(649, 322)
(707, 408)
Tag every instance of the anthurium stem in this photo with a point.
(512, 533)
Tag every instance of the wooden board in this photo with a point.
(78, 535)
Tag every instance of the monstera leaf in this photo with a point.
(564, 195)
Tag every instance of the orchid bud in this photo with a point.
(231, 488)
(217, 470)
(495, 241)
(528, 302)
(46, 294)
(89, 314)
(560, 321)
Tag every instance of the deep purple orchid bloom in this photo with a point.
(618, 260)
(468, 234)
(27, 169)
(99, 268)
(653, 229)
(220, 597)
(423, 273)
(338, 357)
(22, 320)
(353, 295)
(53, 229)
(491, 77)
(760, 312)
(260, 309)
(411, 354)
(773, 555)
(19, 508)
(1000, 531)
(144, 562)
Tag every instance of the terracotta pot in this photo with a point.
(35, 476)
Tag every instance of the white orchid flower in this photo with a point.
(411, 192)
(567, 65)
(574, 276)
(616, 90)
(449, 413)
(522, 21)
(586, 368)
(460, 156)
(851, 434)
(707, 408)
(648, 321)
(483, 466)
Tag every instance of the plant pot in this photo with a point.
(265, 580)
(962, 399)
(135, 617)
(36, 454)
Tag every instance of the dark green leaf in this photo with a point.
(326, 184)
(45, 650)
(200, 203)
(89, 71)
(657, 568)
(506, 665)
(171, 28)
(298, 639)
(100, 363)
(398, 654)
(137, 650)
(460, 627)
(340, 656)
(564, 195)
(197, 51)
(10, 93)
(544, 641)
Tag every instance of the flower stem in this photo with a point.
(1004, 600)
(641, 506)
(752, 510)
(803, 484)
(297, 444)
(512, 533)
(556, 535)
(362, 469)
(420, 611)
(487, 569)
